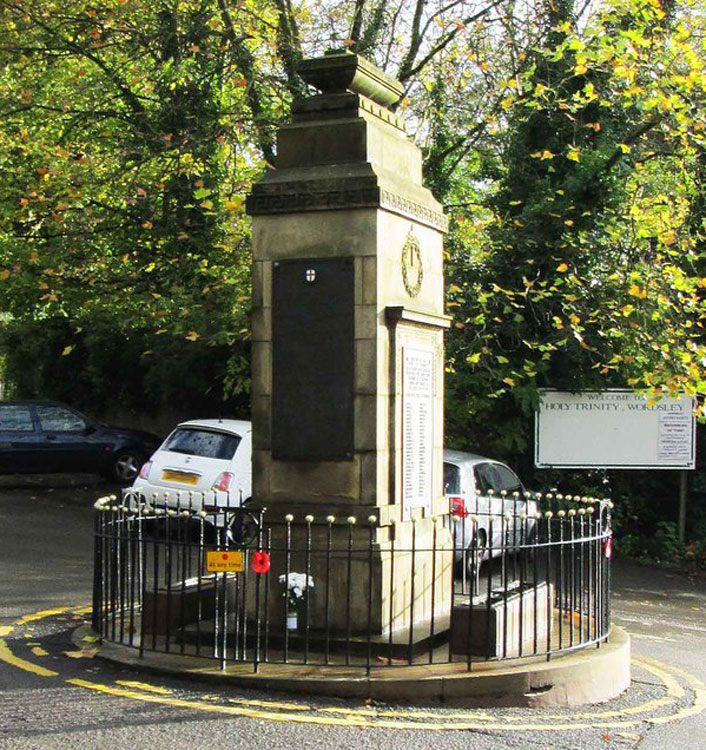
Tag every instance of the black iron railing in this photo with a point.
(240, 586)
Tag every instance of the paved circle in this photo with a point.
(681, 695)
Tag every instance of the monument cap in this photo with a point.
(341, 70)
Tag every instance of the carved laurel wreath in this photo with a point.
(412, 270)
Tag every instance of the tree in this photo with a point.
(129, 136)
(563, 287)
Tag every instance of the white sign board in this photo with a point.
(417, 428)
(617, 429)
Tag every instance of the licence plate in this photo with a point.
(182, 477)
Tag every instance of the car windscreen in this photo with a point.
(204, 443)
(507, 480)
(452, 479)
(497, 478)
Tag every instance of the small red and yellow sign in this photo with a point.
(223, 561)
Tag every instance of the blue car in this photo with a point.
(47, 437)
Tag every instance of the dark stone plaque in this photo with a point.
(312, 359)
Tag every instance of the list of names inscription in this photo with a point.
(417, 428)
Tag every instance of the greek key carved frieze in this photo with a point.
(328, 195)
(311, 200)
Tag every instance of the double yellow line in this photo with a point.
(442, 720)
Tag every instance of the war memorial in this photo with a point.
(343, 573)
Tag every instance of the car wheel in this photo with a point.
(126, 466)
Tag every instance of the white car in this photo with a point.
(491, 493)
(204, 465)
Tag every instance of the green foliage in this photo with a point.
(695, 554)
(568, 151)
(107, 369)
(664, 546)
(4, 386)
(128, 139)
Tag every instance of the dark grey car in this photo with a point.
(47, 437)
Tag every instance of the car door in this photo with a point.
(514, 503)
(490, 505)
(20, 441)
(69, 445)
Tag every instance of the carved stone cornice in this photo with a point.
(329, 195)
(403, 206)
(341, 70)
(341, 106)
(395, 314)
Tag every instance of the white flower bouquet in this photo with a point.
(297, 583)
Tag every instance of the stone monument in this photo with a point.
(348, 321)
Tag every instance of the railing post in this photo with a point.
(371, 539)
(327, 596)
(98, 535)
(307, 577)
(287, 569)
(349, 580)
(410, 652)
(550, 603)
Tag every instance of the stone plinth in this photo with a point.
(385, 586)
(511, 624)
(168, 609)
